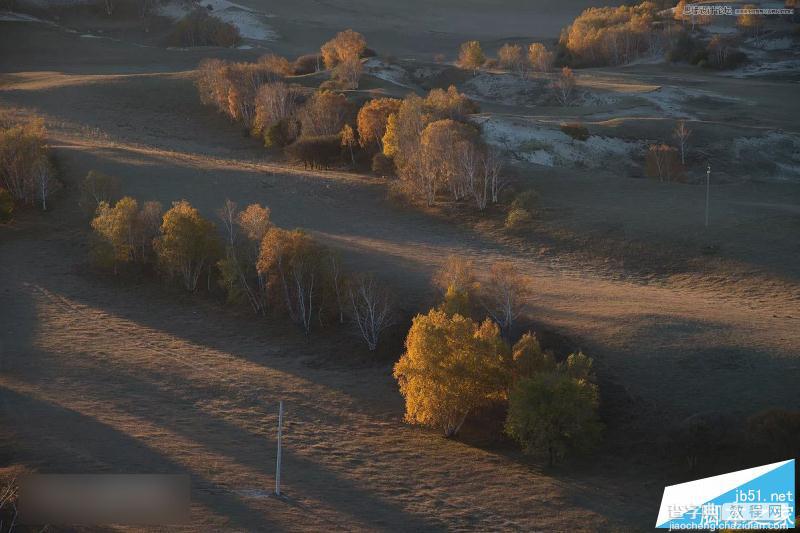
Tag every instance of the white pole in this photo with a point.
(708, 189)
(278, 464)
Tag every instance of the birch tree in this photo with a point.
(504, 295)
(187, 245)
(682, 133)
(371, 309)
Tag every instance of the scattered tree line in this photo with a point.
(514, 58)
(427, 141)
(511, 56)
(617, 35)
(253, 262)
(455, 365)
(26, 169)
(435, 150)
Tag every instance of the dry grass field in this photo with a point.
(98, 375)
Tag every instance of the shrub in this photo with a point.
(576, 130)
(450, 103)
(451, 367)
(6, 205)
(382, 165)
(198, 28)
(554, 414)
(315, 152)
(518, 218)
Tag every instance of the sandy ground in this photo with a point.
(98, 377)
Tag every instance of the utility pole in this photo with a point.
(708, 189)
(278, 463)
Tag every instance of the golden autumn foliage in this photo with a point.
(372, 120)
(233, 87)
(124, 233)
(512, 57)
(610, 35)
(452, 365)
(540, 58)
(470, 56)
(25, 161)
(346, 45)
(323, 114)
(529, 358)
(114, 227)
(295, 261)
(187, 245)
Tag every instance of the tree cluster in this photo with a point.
(26, 171)
(512, 57)
(342, 55)
(454, 365)
(273, 270)
(719, 52)
(611, 35)
(435, 149)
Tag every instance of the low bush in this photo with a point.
(6, 205)
(576, 130)
(198, 28)
(518, 218)
(316, 152)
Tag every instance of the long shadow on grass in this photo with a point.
(155, 404)
(75, 443)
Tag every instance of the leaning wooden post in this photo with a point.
(278, 463)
